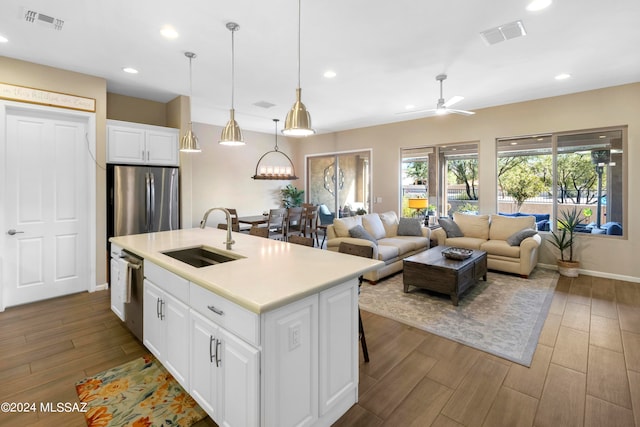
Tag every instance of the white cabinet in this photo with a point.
(338, 353)
(296, 365)
(290, 364)
(166, 322)
(133, 143)
(225, 377)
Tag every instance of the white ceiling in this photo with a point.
(386, 53)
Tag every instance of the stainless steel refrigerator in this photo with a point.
(142, 199)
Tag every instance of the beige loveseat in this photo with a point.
(388, 247)
(490, 234)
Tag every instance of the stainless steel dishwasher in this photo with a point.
(133, 305)
(127, 292)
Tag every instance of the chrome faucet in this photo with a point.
(229, 241)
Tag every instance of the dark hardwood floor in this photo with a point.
(585, 372)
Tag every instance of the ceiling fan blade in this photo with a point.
(463, 112)
(420, 110)
(453, 100)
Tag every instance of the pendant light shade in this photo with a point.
(231, 134)
(189, 142)
(298, 121)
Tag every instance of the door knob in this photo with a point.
(12, 232)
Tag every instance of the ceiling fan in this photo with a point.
(443, 107)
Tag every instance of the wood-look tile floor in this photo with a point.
(585, 372)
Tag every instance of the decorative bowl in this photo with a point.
(457, 253)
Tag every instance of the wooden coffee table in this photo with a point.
(432, 271)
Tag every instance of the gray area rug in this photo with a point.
(502, 316)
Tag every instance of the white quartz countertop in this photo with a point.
(271, 274)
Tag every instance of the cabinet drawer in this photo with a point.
(225, 313)
(167, 281)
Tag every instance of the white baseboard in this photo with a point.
(102, 287)
(597, 274)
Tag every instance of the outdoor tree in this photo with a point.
(521, 182)
(577, 179)
(419, 171)
(465, 172)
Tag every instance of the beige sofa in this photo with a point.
(490, 234)
(389, 247)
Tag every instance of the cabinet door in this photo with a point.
(152, 324)
(117, 285)
(162, 147)
(338, 352)
(203, 376)
(175, 315)
(239, 383)
(125, 145)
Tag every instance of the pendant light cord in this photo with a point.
(233, 66)
(299, 15)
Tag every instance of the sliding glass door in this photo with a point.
(339, 183)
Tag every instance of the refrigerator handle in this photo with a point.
(152, 200)
(147, 201)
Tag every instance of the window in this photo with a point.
(546, 174)
(440, 179)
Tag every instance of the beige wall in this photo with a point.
(136, 110)
(599, 108)
(221, 175)
(46, 78)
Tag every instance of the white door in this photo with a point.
(47, 236)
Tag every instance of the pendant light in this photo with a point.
(298, 121)
(272, 165)
(189, 142)
(231, 134)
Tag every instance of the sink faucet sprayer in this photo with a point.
(229, 241)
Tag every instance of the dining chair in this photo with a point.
(235, 225)
(300, 240)
(310, 218)
(294, 222)
(259, 231)
(365, 252)
(277, 223)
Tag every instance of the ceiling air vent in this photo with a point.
(40, 18)
(264, 104)
(503, 32)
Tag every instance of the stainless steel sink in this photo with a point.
(200, 256)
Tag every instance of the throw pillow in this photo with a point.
(360, 233)
(450, 227)
(516, 238)
(410, 227)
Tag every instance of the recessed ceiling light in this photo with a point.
(536, 5)
(409, 107)
(329, 74)
(563, 76)
(513, 143)
(168, 32)
(130, 70)
(3, 39)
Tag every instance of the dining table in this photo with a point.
(253, 219)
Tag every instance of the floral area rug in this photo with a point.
(502, 316)
(140, 393)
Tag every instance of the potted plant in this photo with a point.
(291, 196)
(563, 239)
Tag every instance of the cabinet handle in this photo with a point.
(148, 155)
(161, 309)
(158, 307)
(211, 348)
(215, 310)
(218, 359)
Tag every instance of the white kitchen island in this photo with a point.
(269, 339)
